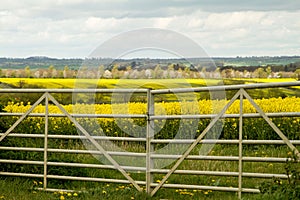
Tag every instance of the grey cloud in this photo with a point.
(147, 9)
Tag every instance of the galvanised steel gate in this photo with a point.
(150, 155)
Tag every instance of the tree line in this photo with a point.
(116, 71)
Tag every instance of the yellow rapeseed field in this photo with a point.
(254, 127)
(289, 104)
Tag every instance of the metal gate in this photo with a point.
(149, 141)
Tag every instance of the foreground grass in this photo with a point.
(26, 188)
(23, 189)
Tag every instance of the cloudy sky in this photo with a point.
(74, 28)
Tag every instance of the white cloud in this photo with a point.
(72, 28)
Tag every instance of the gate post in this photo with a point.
(46, 139)
(149, 137)
(240, 185)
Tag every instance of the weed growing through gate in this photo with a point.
(284, 189)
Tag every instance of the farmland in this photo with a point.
(126, 83)
(148, 83)
(253, 128)
(103, 83)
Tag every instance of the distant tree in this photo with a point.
(127, 72)
(37, 74)
(187, 72)
(203, 72)
(115, 71)
(171, 71)
(129, 68)
(134, 74)
(227, 73)
(51, 71)
(66, 71)
(148, 73)
(260, 73)
(100, 71)
(45, 74)
(133, 64)
(13, 74)
(142, 74)
(27, 72)
(217, 73)
(297, 74)
(107, 74)
(7, 73)
(179, 73)
(269, 71)
(246, 74)
(54, 73)
(83, 72)
(158, 72)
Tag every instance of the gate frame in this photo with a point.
(149, 140)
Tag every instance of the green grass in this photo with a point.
(25, 188)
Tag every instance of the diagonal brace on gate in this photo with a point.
(23, 117)
(95, 143)
(273, 126)
(193, 145)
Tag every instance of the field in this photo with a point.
(253, 129)
(126, 83)
(104, 83)
(139, 83)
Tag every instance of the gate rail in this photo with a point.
(150, 141)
